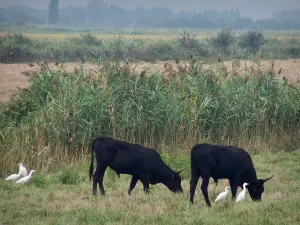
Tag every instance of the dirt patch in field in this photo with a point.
(11, 79)
(15, 76)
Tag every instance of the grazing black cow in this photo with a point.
(143, 163)
(224, 162)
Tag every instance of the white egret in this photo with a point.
(22, 170)
(222, 195)
(13, 177)
(24, 180)
(22, 173)
(242, 194)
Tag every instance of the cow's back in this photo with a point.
(127, 157)
(219, 161)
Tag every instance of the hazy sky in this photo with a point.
(252, 8)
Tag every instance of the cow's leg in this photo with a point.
(98, 177)
(216, 183)
(145, 180)
(95, 181)
(235, 183)
(133, 182)
(204, 186)
(233, 187)
(193, 184)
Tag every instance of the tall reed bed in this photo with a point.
(55, 120)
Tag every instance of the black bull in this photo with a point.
(143, 163)
(224, 162)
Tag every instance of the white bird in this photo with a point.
(223, 194)
(22, 173)
(13, 177)
(242, 194)
(22, 170)
(24, 180)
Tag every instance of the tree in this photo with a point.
(223, 39)
(251, 39)
(53, 11)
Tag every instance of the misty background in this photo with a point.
(276, 14)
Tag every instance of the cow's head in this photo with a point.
(174, 182)
(257, 188)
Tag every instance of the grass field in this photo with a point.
(64, 197)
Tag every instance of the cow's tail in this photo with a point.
(193, 162)
(194, 166)
(92, 160)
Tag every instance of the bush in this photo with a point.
(39, 181)
(274, 48)
(18, 109)
(190, 46)
(188, 40)
(252, 40)
(223, 39)
(16, 48)
(70, 177)
(292, 48)
(161, 50)
(292, 51)
(87, 39)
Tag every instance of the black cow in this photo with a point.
(224, 162)
(143, 163)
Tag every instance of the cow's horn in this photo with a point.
(264, 180)
(179, 171)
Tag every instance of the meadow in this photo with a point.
(65, 197)
(49, 124)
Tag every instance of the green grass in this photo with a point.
(56, 202)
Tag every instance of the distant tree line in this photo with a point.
(100, 13)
